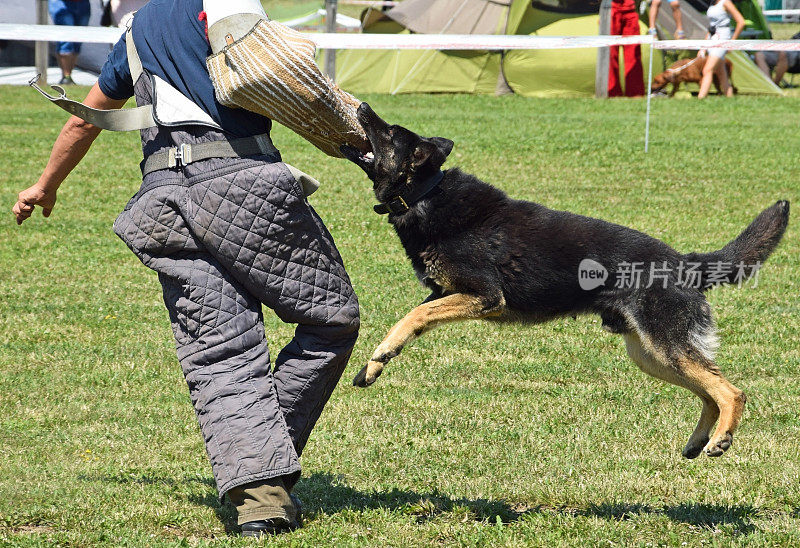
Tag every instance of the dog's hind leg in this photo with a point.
(458, 306)
(721, 400)
(705, 425)
(729, 400)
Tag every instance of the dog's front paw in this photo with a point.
(368, 375)
(717, 447)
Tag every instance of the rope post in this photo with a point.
(41, 49)
(330, 27)
(649, 96)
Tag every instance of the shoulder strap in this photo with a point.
(134, 62)
(174, 108)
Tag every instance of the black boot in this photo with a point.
(264, 527)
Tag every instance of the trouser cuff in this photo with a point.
(266, 499)
(264, 512)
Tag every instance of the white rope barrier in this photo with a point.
(50, 33)
(490, 42)
(53, 33)
(45, 33)
(749, 45)
(780, 12)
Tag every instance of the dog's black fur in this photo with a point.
(520, 259)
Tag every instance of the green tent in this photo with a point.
(426, 71)
(541, 73)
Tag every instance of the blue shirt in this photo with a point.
(171, 42)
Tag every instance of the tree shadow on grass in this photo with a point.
(329, 494)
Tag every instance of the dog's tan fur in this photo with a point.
(687, 70)
(459, 306)
(721, 400)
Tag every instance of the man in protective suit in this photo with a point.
(227, 227)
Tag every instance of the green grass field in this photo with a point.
(479, 434)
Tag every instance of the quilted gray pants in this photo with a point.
(226, 236)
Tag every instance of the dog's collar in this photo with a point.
(402, 203)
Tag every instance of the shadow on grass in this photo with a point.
(224, 511)
(738, 518)
(329, 494)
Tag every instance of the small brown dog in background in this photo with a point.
(687, 70)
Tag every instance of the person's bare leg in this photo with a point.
(761, 63)
(654, 12)
(781, 67)
(654, 6)
(676, 14)
(724, 82)
(708, 76)
(67, 62)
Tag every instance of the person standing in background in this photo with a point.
(719, 21)
(779, 61)
(676, 14)
(625, 22)
(72, 13)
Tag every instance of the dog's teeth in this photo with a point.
(369, 156)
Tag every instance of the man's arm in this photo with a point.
(69, 149)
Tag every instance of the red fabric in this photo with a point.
(625, 23)
(203, 17)
(623, 5)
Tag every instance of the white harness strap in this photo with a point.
(134, 63)
(170, 107)
(684, 67)
(128, 119)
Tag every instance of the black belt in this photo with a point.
(185, 154)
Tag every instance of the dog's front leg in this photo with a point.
(458, 306)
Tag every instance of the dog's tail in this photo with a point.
(742, 257)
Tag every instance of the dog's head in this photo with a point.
(660, 81)
(400, 158)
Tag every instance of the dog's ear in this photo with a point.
(435, 149)
(445, 145)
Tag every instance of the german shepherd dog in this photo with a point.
(483, 254)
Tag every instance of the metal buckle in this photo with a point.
(180, 156)
(395, 204)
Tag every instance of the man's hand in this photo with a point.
(70, 147)
(31, 197)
